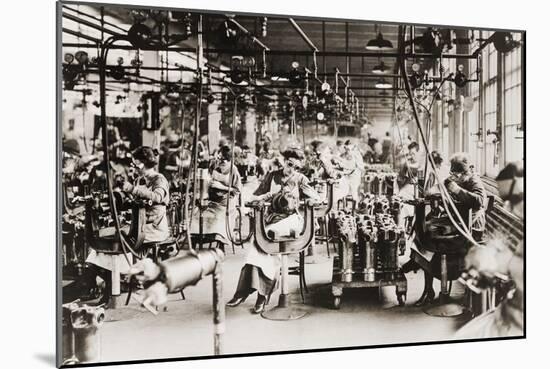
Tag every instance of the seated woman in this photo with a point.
(468, 194)
(151, 186)
(220, 187)
(283, 188)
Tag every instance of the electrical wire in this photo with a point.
(445, 195)
(125, 246)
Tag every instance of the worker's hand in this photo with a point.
(451, 185)
(127, 187)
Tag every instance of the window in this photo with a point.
(490, 111)
(512, 104)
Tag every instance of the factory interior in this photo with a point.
(230, 180)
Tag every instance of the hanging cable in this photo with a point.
(228, 229)
(103, 61)
(198, 111)
(462, 228)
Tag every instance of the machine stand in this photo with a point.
(444, 306)
(284, 310)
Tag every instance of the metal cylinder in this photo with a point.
(67, 330)
(204, 179)
(346, 257)
(187, 270)
(369, 274)
(86, 321)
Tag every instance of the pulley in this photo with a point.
(139, 35)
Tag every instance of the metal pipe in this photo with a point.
(219, 308)
(304, 36)
(245, 52)
(81, 35)
(248, 34)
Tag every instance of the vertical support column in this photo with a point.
(459, 122)
(250, 128)
(151, 138)
(284, 298)
(219, 308)
(214, 117)
(444, 279)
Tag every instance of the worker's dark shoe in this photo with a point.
(426, 298)
(236, 301)
(410, 266)
(259, 306)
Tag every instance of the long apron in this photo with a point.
(270, 264)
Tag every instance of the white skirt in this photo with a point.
(270, 264)
(109, 261)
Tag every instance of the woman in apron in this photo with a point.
(282, 188)
(220, 187)
(151, 186)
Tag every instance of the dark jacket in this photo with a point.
(471, 195)
(154, 187)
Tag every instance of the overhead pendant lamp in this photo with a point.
(379, 43)
(504, 42)
(380, 69)
(382, 83)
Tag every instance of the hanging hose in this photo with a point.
(103, 60)
(228, 229)
(198, 112)
(463, 229)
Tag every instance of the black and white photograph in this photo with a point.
(242, 183)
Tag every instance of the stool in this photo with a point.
(213, 240)
(283, 246)
(446, 246)
(301, 273)
(324, 235)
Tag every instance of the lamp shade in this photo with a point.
(380, 69)
(379, 43)
(383, 84)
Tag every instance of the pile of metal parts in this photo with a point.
(379, 183)
(372, 240)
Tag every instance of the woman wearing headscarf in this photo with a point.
(150, 186)
(221, 188)
(283, 188)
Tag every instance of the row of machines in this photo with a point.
(370, 240)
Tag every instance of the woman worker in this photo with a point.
(283, 189)
(220, 187)
(151, 186)
(468, 194)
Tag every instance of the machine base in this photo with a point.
(444, 310)
(285, 313)
(317, 259)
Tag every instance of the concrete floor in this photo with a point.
(366, 317)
